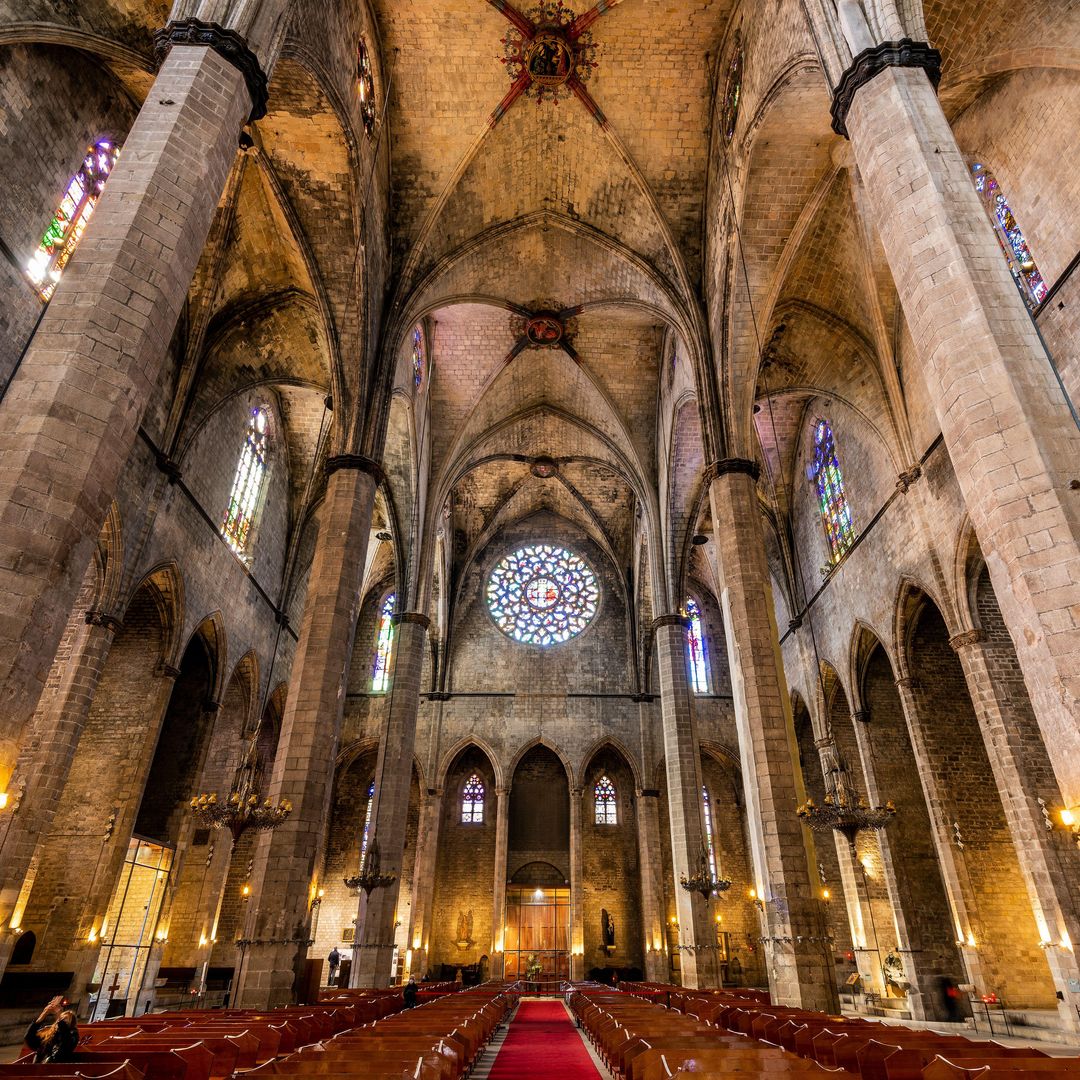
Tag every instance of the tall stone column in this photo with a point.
(427, 848)
(278, 921)
(921, 955)
(682, 761)
(577, 888)
(650, 859)
(498, 913)
(1013, 444)
(71, 414)
(782, 849)
(954, 875)
(1050, 871)
(393, 777)
(44, 762)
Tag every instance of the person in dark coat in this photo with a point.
(409, 993)
(54, 1035)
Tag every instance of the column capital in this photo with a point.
(437, 695)
(966, 638)
(643, 698)
(871, 63)
(907, 682)
(103, 619)
(166, 671)
(228, 44)
(727, 466)
(671, 620)
(338, 462)
(415, 617)
(905, 479)
(649, 793)
(861, 716)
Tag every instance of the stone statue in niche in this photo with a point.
(464, 929)
(607, 930)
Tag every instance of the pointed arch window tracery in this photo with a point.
(472, 801)
(365, 82)
(1011, 237)
(366, 834)
(69, 222)
(384, 645)
(828, 479)
(710, 847)
(248, 483)
(695, 648)
(419, 357)
(607, 807)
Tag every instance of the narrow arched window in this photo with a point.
(472, 801)
(695, 648)
(832, 502)
(365, 83)
(248, 483)
(70, 220)
(418, 357)
(606, 806)
(1010, 237)
(384, 644)
(365, 835)
(710, 847)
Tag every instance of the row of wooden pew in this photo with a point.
(439, 1040)
(663, 1030)
(204, 1044)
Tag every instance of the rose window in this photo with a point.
(542, 594)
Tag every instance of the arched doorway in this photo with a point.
(537, 927)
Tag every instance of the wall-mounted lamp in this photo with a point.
(245, 892)
(752, 896)
(826, 895)
(1070, 818)
(10, 800)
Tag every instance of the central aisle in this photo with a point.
(544, 1044)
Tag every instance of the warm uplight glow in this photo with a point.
(971, 941)
(539, 894)
(719, 918)
(674, 921)
(751, 894)
(92, 936)
(3, 800)
(246, 890)
(202, 941)
(1068, 818)
(825, 894)
(322, 893)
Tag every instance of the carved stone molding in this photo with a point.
(861, 716)
(907, 682)
(906, 479)
(727, 466)
(167, 671)
(415, 618)
(650, 793)
(968, 637)
(101, 618)
(670, 620)
(355, 461)
(228, 44)
(643, 699)
(872, 62)
(167, 466)
(438, 695)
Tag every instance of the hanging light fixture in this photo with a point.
(242, 810)
(845, 811)
(704, 882)
(369, 877)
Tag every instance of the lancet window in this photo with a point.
(384, 644)
(606, 805)
(832, 501)
(472, 801)
(248, 483)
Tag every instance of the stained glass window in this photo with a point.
(472, 801)
(710, 847)
(384, 643)
(606, 810)
(248, 483)
(367, 823)
(418, 356)
(695, 647)
(365, 82)
(1011, 237)
(733, 89)
(542, 594)
(70, 220)
(829, 480)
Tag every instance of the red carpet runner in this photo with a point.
(543, 1044)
